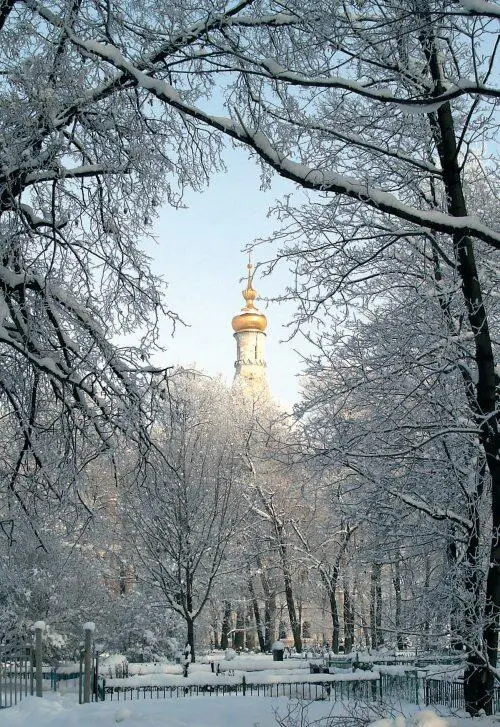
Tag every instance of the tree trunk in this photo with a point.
(335, 622)
(330, 584)
(348, 619)
(270, 619)
(375, 605)
(427, 625)
(456, 627)
(190, 636)
(226, 625)
(256, 615)
(398, 600)
(239, 631)
(294, 622)
(378, 601)
(478, 679)
(189, 611)
(122, 579)
(269, 611)
(249, 628)
(482, 396)
(373, 628)
(287, 579)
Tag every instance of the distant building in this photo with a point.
(249, 328)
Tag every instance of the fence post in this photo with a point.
(88, 629)
(39, 627)
(80, 677)
(2, 687)
(244, 682)
(32, 670)
(95, 670)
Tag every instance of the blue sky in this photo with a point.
(199, 253)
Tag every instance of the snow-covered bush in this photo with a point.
(139, 630)
(114, 666)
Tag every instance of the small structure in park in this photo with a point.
(278, 649)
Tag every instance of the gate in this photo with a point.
(16, 670)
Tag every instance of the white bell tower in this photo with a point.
(249, 328)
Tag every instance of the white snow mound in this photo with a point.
(122, 715)
(427, 718)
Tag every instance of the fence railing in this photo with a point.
(347, 661)
(451, 694)
(408, 688)
(366, 689)
(22, 671)
(56, 677)
(16, 673)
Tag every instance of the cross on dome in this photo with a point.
(250, 318)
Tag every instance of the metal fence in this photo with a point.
(57, 678)
(16, 671)
(22, 671)
(366, 689)
(451, 694)
(348, 661)
(408, 688)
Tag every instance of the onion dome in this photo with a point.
(250, 318)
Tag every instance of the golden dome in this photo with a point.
(250, 318)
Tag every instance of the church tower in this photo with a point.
(249, 331)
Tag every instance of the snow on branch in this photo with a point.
(423, 105)
(327, 181)
(275, 20)
(436, 513)
(308, 177)
(86, 170)
(356, 140)
(481, 7)
(181, 40)
(260, 513)
(34, 221)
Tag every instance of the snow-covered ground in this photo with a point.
(61, 710)
(257, 669)
(268, 676)
(57, 711)
(54, 711)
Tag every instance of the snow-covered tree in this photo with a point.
(87, 157)
(387, 399)
(407, 94)
(182, 519)
(404, 93)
